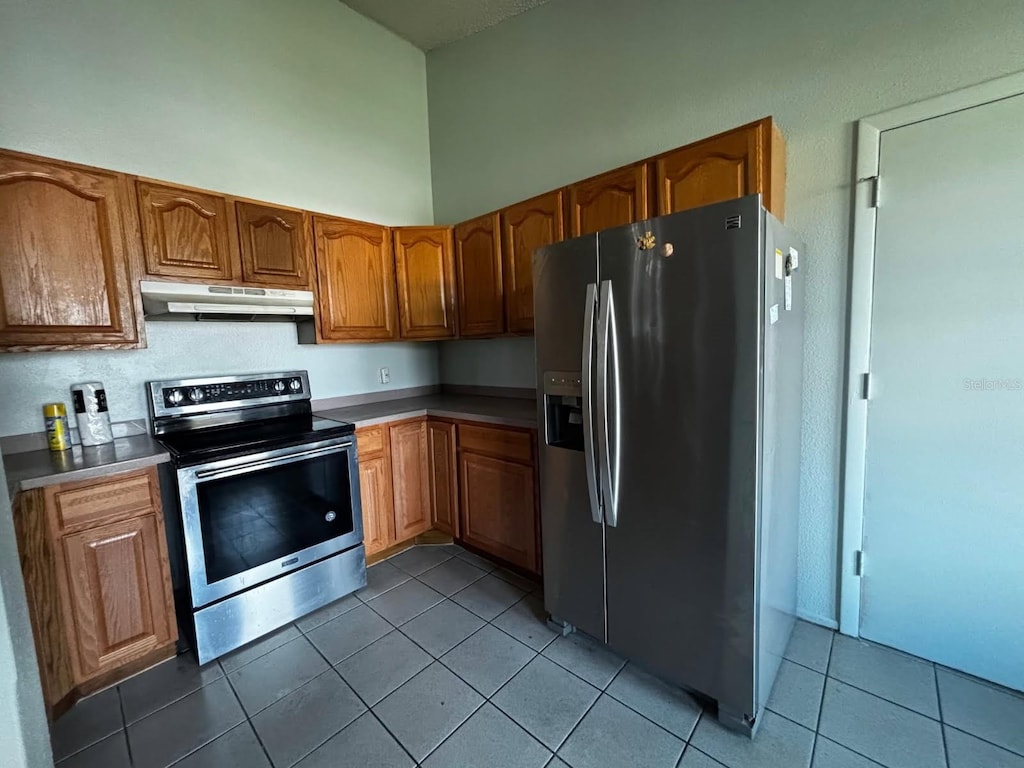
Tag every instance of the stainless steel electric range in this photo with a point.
(269, 520)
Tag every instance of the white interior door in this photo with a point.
(944, 470)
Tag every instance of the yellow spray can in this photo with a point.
(57, 435)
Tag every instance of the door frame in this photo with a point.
(861, 279)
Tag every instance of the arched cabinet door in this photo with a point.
(187, 233)
(426, 282)
(479, 276)
(525, 227)
(275, 245)
(355, 281)
(69, 256)
(610, 200)
(741, 162)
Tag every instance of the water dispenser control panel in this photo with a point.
(563, 409)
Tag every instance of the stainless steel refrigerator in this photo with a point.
(669, 365)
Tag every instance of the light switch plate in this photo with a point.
(385, 375)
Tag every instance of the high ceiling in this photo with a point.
(430, 24)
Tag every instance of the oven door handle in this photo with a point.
(276, 461)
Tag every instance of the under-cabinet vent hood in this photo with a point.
(191, 301)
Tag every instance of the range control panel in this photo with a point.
(223, 392)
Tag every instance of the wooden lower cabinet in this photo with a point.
(409, 470)
(444, 507)
(375, 488)
(94, 559)
(474, 482)
(498, 494)
(119, 592)
(378, 505)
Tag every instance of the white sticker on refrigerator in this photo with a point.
(789, 292)
(780, 262)
(794, 258)
(773, 314)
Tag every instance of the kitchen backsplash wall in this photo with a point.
(186, 349)
(306, 104)
(489, 362)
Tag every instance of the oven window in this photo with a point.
(270, 514)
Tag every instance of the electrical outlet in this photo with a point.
(385, 375)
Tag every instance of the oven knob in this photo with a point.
(331, 516)
(195, 394)
(279, 386)
(295, 384)
(174, 396)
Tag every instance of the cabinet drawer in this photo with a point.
(504, 443)
(80, 505)
(370, 441)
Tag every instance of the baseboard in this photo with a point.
(814, 618)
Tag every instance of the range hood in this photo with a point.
(193, 301)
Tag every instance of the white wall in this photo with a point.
(304, 103)
(24, 736)
(576, 87)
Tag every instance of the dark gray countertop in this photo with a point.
(502, 411)
(37, 469)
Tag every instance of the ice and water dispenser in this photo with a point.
(563, 409)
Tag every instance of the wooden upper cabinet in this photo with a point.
(426, 282)
(409, 468)
(610, 200)
(734, 164)
(120, 596)
(444, 508)
(478, 276)
(355, 281)
(69, 256)
(187, 233)
(525, 227)
(275, 245)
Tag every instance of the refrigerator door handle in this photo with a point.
(589, 451)
(608, 352)
(613, 432)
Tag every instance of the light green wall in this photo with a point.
(576, 87)
(24, 736)
(304, 103)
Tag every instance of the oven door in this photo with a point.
(252, 518)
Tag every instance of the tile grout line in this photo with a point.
(245, 714)
(821, 701)
(537, 653)
(882, 698)
(981, 681)
(981, 739)
(362, 701)
(124, 726)
(942, 720)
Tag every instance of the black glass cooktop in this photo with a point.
(196, 446)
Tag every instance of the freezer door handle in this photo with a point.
(589, 452)
(608, 430)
